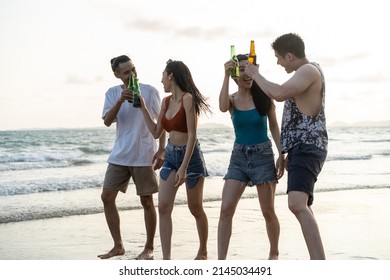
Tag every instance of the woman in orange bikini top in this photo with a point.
(178, 122)
(183, 159)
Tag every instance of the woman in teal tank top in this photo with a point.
(252, 161)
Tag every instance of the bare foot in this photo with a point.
(147, 254)
(114, 252)
(201, 256)
(273, 257)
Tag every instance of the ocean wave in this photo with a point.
(357, 157)
(48, 185)
(57, 213)
(40, 156)
(80, 162)
(60, 212)
(14, 166)
(31, 215)
(376, 141)
(95, 150)
(43, 159)
(349, 157)
(216, 170)
(215, 150)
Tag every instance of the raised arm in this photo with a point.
(224, 98)
(302, 79)
(155, 128)
(110, 116)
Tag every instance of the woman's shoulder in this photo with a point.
(166, 99)
(187, 98)
(233, 98)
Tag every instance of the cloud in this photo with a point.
(337, 60)
(73, 79)
(201, 33)
(148, 25)
(172, 29)
(367, 78)
(195, 32)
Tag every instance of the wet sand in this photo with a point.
(354, 225)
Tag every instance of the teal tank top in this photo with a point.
(249, 127)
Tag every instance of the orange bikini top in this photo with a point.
(178, 122)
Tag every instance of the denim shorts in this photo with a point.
(252, 164)
(173, 158)
(305, 162)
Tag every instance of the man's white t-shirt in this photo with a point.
(134, 144)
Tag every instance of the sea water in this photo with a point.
(59, 172)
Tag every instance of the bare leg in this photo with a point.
(231, 194)
(113, 221)
(266, 194)
(166, 197)
(150, 218)
(297, 202)
(195, 204)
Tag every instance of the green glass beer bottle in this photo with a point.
(137, 93)
(252, 53)
(131, 85)
(234, 73)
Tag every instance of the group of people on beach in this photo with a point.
(136, 154)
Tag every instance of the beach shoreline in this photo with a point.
(351, 223)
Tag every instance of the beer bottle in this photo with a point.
(131, 84)
(234, 73)
(252, 53)
(137, 93)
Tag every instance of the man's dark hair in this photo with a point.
(118, 60)
(289, 43)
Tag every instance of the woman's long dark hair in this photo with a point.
(184, 80)
(262, 101)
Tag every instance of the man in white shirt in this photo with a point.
(134, 155)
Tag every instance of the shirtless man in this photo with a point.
(303, 135)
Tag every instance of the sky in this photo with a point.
(54, 54)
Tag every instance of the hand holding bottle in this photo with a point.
(230, 65)
(234, 71)
(251, 70)
(137, 94)
(131, 87)
(127, 94)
